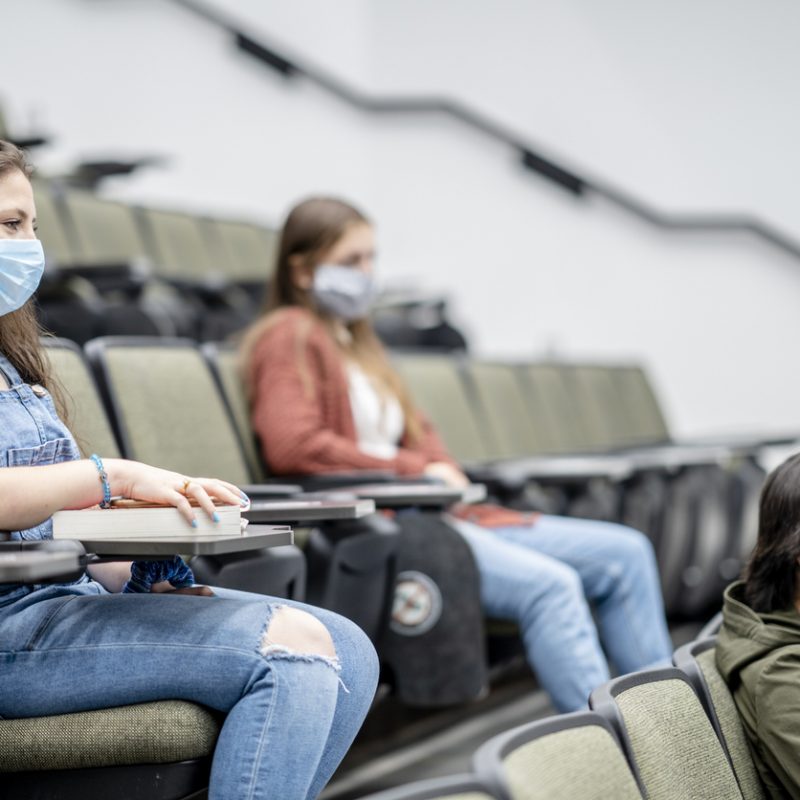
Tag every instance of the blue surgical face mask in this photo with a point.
(21, 268)
(343, 292)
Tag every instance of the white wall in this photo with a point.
(688, 105)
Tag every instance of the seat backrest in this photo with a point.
(224, 362)
(249, 250)
(438, 389)
(663, 726)
(498, 394)
(637, 397)
(86, 416)
(106, 231)
(546, 388)
(166, 406)
(568, 757)
(52, 229)
(697, 659)
(593, 395)
(452, 787)
(179, 246)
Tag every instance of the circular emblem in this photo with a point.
(417, 604)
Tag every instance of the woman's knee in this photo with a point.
(633, 547)
(563, 582)
(298, 632)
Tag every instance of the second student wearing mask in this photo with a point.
(325, 398)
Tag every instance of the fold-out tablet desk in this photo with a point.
(345, 506)
(423, 495)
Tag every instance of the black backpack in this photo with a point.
(434, 643)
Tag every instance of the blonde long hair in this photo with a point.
(311, 229)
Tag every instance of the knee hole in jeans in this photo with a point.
(298, 632)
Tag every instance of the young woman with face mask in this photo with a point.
(295, 681)
(325, 398)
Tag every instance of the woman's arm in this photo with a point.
(31, 495)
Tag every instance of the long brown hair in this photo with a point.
(20, 331)
(771, 574)
(311, 229)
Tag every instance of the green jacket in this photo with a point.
(759, 657)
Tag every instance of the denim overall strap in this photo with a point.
(31, 434)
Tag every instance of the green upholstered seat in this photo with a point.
(180, 247)
(568, 757)
(506, 410)
(698, 660)
(438, 389)
(86, 416)
(168, 731)
(249, 251)
(106, 232)
(669, 736)
(453, 787)
(224, 362)
(637, 399)
(58, 246)
(731, 728)
(168, 407)
(548, 391)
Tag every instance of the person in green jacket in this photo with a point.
(758, 648)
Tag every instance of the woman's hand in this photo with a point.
(447, 473)
(142, 482)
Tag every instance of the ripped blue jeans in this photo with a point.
(290, 717)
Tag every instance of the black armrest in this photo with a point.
(294, 511)
(271, 491)
(41, 561)
(335, 480)
(744, 443)
(514, 474)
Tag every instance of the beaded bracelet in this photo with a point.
(106, 503)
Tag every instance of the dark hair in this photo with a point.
(771, 574)
(19, 330)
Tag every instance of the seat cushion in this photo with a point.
(146, 733)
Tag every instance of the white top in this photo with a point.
(378, 418)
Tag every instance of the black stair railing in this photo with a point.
(567, 179)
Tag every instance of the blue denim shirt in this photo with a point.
(31, 434)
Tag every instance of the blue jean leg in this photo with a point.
(359, 679)
(545, 598)
(70, 649)
(618, 572)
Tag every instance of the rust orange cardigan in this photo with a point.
(301, 413)
(301, 405)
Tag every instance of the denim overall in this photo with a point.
(71, 647)
(31, 434)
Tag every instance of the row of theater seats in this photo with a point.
(116, 268)
(659, 734)
(183, 407)
(591, 440)
(172, 403)
(159, 401)
(119, 269)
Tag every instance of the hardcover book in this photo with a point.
(127, 519)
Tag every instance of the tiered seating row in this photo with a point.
(124, 269)
(694, 511)
(697, 503)
(658, 734)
